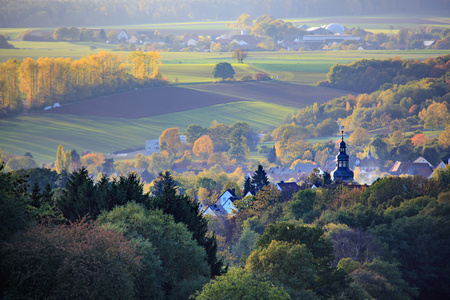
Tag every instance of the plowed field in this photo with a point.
(165, 100)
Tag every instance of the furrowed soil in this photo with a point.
(171, 99)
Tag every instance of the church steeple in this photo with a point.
(342, 170)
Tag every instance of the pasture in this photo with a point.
(41, 134)
(126, 120)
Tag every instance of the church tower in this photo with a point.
(342, 170)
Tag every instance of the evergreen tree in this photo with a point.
(260, 179)
(108, 166)
(78, 197)
(186, 211)
(272, 155)
(47, 194)
(102, 35)
(36, 195)
(248, 186)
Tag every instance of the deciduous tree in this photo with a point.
(223, 70)
(203, 147)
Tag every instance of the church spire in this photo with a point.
(342, 170)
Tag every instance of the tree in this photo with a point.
(186, 211)
(108, 166)
(13, 200)
(102, 35)
(223, 70)
(240, 55)
(78, 198)
(219, 134)
(359, 138)
(178, 266)
(260, 179)
(203, 147)
(144, 65)
(4, 43)
(272, 155)
(80, 260)
(244, 20)
(238, 145)
(248, 186)
(436, 115)
(170, 141)
(240, 284)
(444, 138)
(328, 280)
(287, 265)
(193, 133)
(303, 203)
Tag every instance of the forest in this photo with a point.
(47, 81)
(51, 13)
(336, 242)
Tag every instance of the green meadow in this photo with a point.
(41, 134)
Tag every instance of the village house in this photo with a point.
(134, 40)
(419, 167)
(151, 146)
(123, 36)
(368, 164)
(224, 205)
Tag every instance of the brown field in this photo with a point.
(171, 99)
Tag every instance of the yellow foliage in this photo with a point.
(203, 147)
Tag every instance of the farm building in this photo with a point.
(151, 146)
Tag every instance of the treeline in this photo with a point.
(104, 240)
(384, 241)
(46, 81)
(379, 234)
(401, 104)
(367, 75)
(51, 13)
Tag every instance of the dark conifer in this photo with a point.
(186, 211)
(260, 179)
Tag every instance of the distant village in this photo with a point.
(325, 37)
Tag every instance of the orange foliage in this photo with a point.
(419, 139)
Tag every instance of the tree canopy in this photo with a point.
(223, 70)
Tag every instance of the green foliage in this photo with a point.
(223, 70)
(183, 267)
(81, 197)
(79, 260)
(329, 280)
(13, 200)
(303, 203)
(240, 284)
(186, 211)
(245, 244)
(420, 245)
(194, 132)
(260, 179)
(287, 265)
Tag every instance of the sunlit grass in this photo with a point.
(41, 134)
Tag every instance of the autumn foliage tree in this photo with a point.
(144, 65)
(203, 147)
(48, 80)
(170, 141)
(43, 263)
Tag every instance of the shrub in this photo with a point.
(261, 76)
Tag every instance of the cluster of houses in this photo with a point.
(341, 171)
(315, 38)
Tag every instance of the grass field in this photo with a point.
(41, 134)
